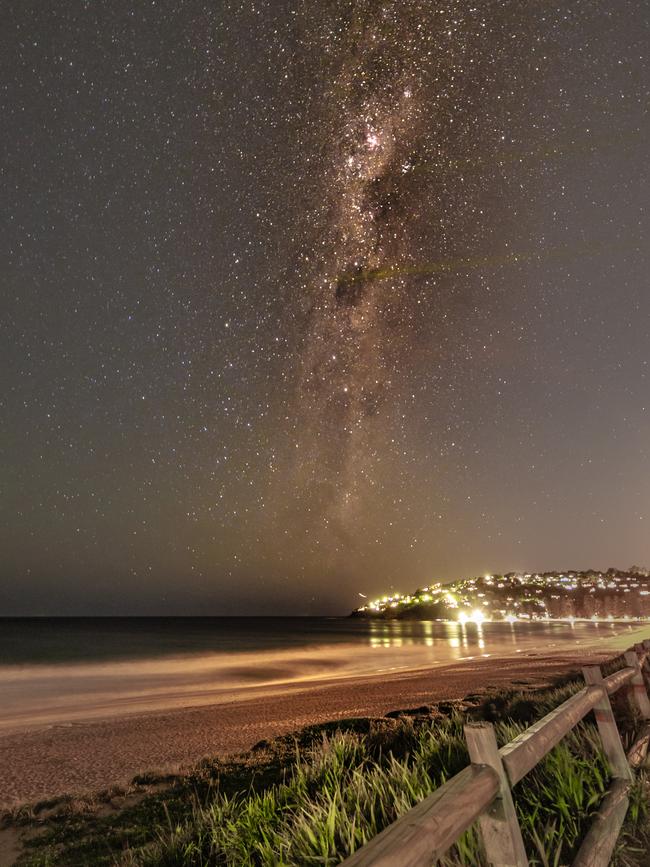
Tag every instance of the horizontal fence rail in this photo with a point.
(430, 828)
(618, 679)
(482, 791)
(530, 747)
(639, 749)
(599, 843)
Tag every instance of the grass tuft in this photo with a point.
(317, 797)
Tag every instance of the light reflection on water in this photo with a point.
(404, 633)
(44, 693)
(451, 634)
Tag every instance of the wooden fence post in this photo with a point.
(646, 651)
(637, 683)
(500, 829)
(609, 734)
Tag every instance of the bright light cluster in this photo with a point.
(514, 597)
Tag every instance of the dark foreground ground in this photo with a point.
(82, 757)
(302, 798)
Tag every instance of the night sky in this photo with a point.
(302, 300)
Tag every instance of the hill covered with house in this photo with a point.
(611, 595)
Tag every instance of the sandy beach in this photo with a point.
(85, 756)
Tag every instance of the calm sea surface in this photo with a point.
(61, 671)
(104, 639)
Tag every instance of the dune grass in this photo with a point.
(343, 791)
(315, 798)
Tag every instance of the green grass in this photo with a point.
(315, 798)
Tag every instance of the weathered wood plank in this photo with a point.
(424, 834)
(598, 845)
(606, 722)
(521, 755)
(618, 679)
(639, 693)
(637, 753)
(499, 826)
(645, 657)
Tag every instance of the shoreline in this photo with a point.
(80, 757)
(38, 696)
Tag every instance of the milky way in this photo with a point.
(402, 107)
(347, 368)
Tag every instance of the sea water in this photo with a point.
(65, 670)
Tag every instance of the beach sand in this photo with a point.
(89, 756)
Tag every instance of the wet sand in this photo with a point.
(86, 756)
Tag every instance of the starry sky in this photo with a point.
(303, 299)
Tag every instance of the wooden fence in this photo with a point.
(483, 789)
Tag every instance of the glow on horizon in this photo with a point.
(476, 616)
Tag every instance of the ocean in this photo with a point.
(59, 671)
